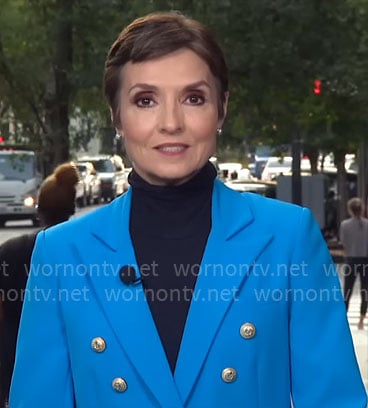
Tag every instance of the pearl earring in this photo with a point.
(219, 131)
(119, 133)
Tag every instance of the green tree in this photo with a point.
(51, 61)
(52, 54)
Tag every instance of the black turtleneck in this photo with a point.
(169, 226)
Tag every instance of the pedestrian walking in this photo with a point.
(354, 237)
(182, 292)
(56, 203)
(331, 225)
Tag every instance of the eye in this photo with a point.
(144, 102)
(195, 99)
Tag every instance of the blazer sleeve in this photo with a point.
(324, 370)
(40, 381)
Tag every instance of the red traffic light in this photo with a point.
(2, 140)
(317, 87)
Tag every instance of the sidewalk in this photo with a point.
(360, 337)
(361, 344)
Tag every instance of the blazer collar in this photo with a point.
(231, 213)
(112, 221)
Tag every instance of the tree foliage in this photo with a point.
(52, 54)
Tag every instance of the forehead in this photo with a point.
(175, 69)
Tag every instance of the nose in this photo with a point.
(171, 118)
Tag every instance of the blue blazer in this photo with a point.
(267, 305)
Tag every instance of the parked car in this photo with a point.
(276, 166)
(20, 178)
(230, 171)
(214, 161)
(111, 171)
(91, 181)
(80, 193)
(265, 188)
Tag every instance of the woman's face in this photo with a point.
(169, 116)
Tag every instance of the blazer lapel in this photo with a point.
(234, 241)
(129, 316)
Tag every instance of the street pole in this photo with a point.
(296, 181)
(363, 173)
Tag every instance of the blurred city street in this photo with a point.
(16, 228)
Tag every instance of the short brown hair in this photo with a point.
(154, 36)
(355, 207)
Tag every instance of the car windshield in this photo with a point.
(17, 166)
(103, 166)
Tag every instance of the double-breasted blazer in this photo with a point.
(266, 323)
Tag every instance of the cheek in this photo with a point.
(205, 131)
(136, 124)
(133, 145)
(133, 149)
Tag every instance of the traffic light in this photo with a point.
(317, 87)
(2, 139)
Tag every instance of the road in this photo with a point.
(14, 228)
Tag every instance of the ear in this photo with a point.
(119, 132)
(115, 121)
(225, 106)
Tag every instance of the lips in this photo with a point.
(172, 148)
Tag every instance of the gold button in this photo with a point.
(98, 344)
(229, 375)
(248, 330)
(119, 384)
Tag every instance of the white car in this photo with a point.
(111, 171)
(276, 166)
(91, 182)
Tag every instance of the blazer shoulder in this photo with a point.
(272, 207)
(268, 213)
(93, 220)
(258, 203)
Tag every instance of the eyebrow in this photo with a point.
(147, 87)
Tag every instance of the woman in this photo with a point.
(190, 294)
(56, 203)
(354, 237)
